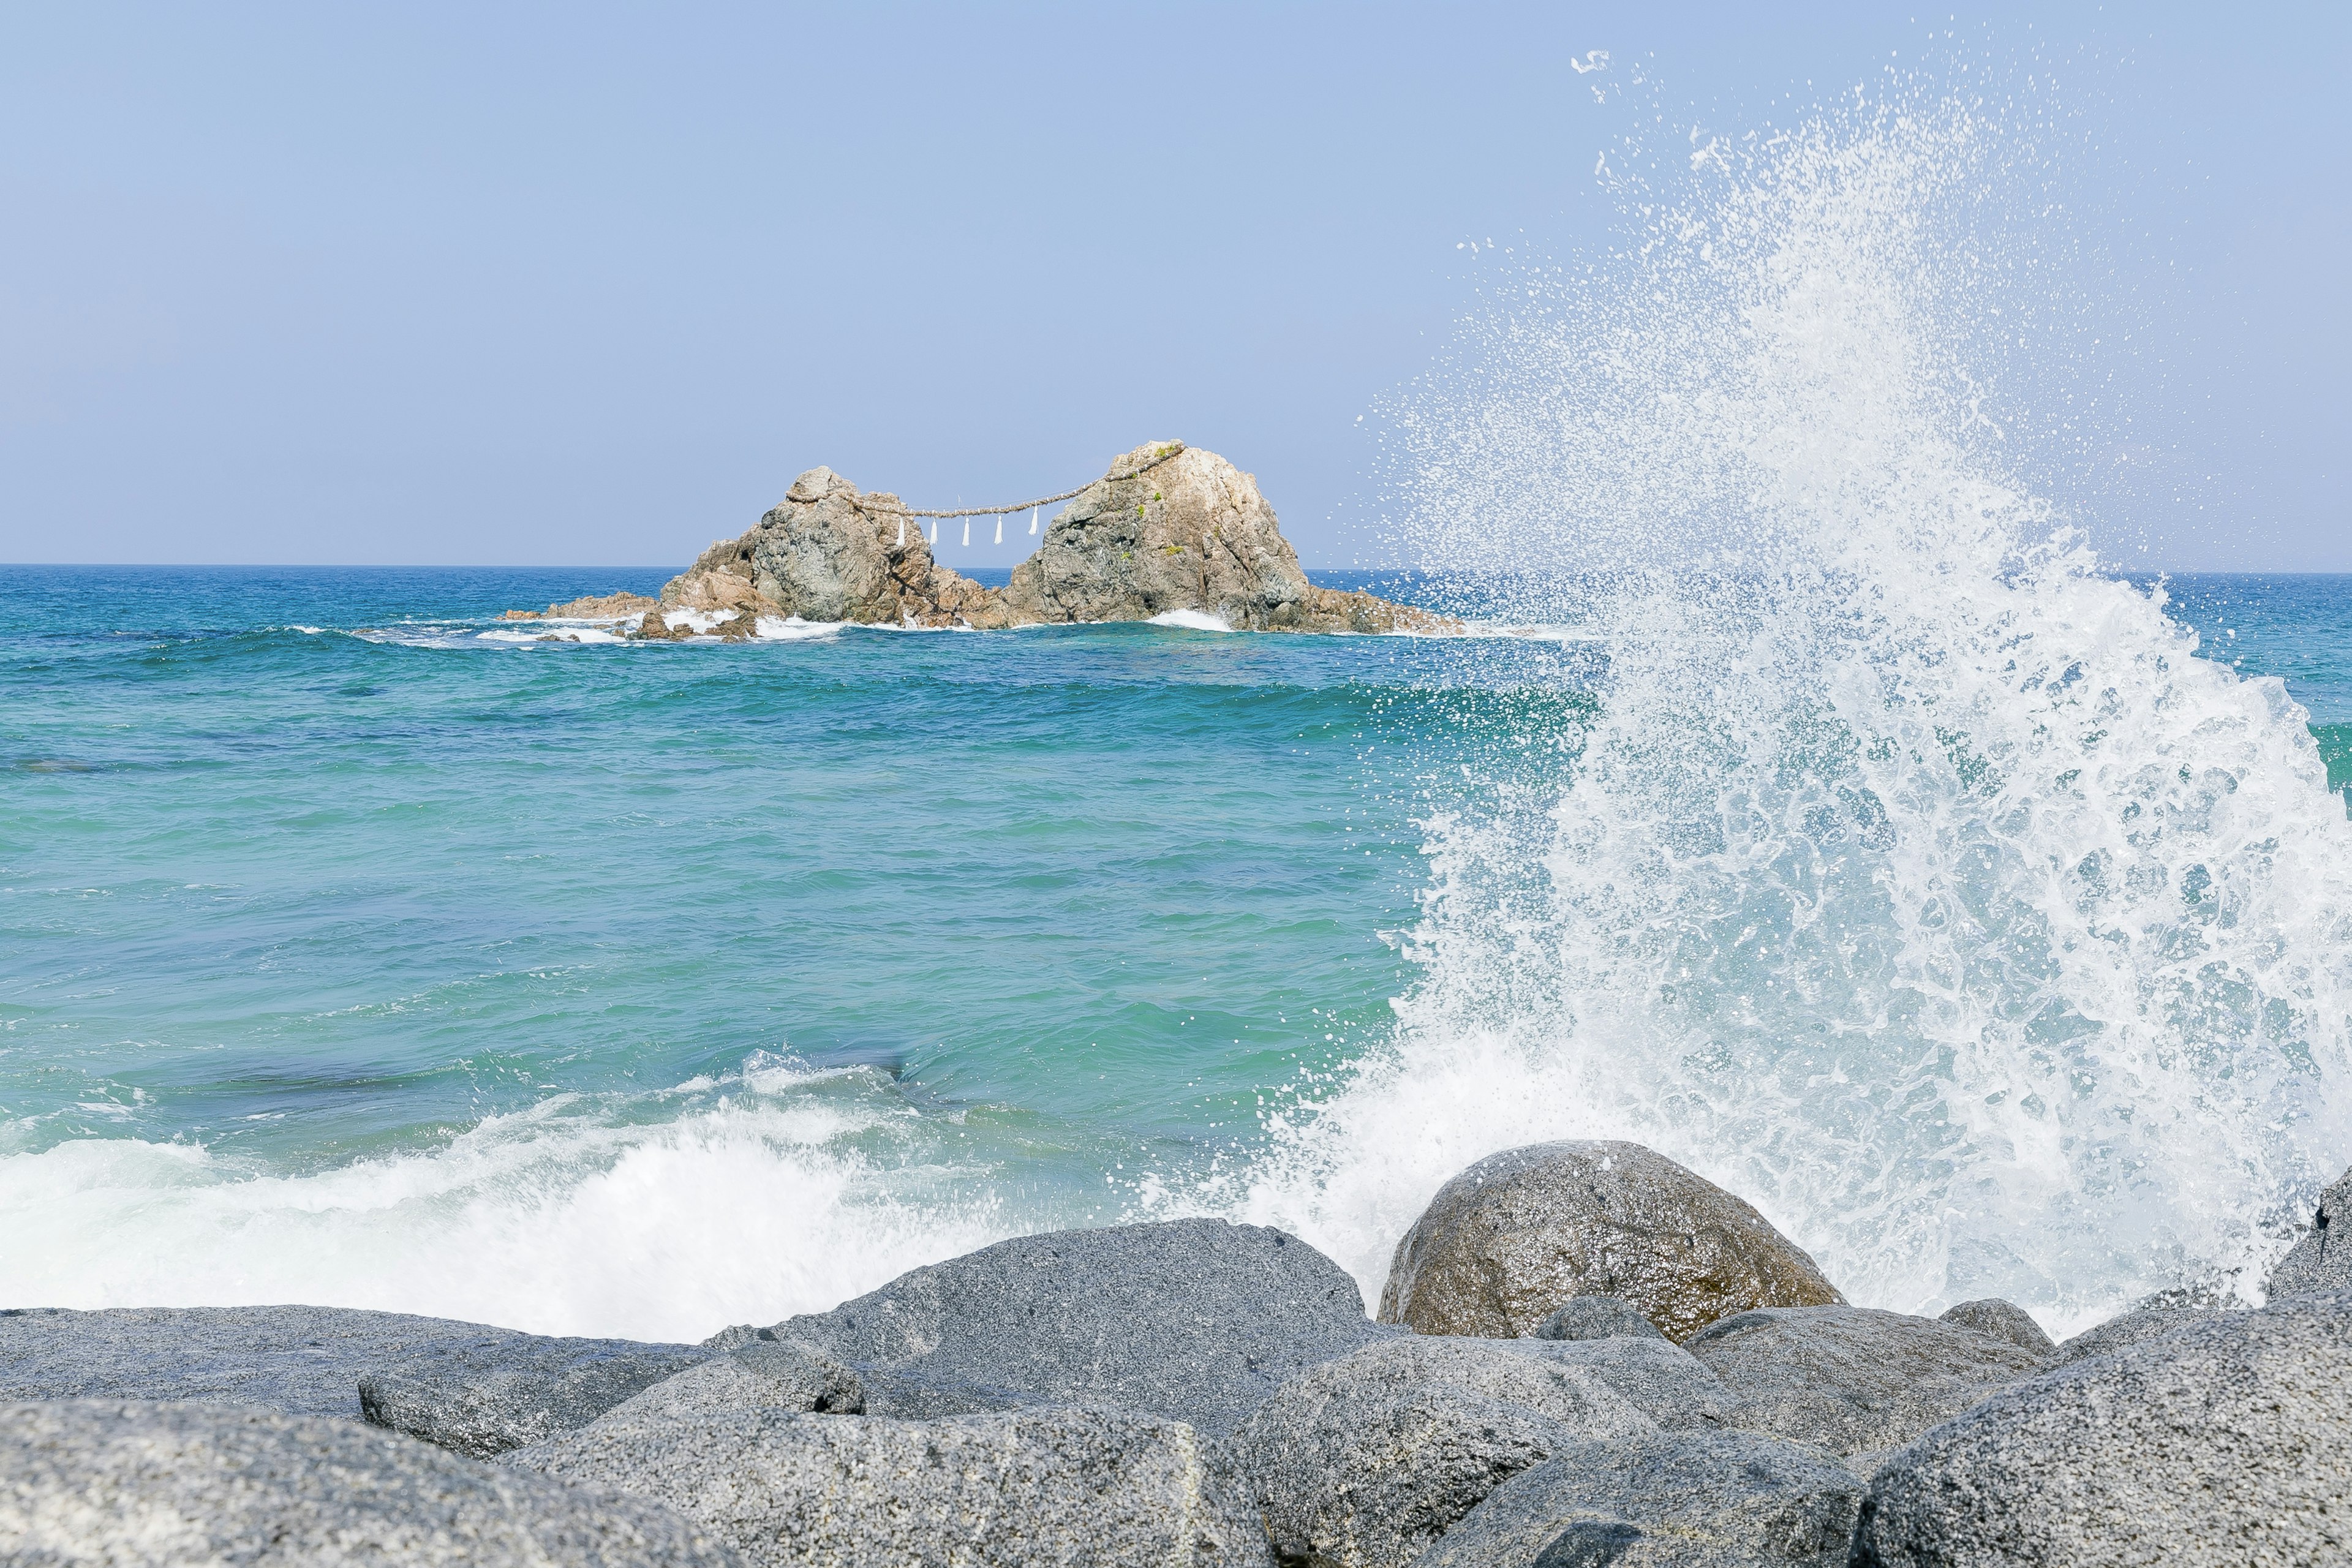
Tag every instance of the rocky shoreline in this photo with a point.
(1585, 1355)
(1168, 530)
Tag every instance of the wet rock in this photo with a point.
(1368, 1460)
(1192, 1318)
(828, 552)
(2322, 1260)
(1507, 1240)
(1172, 528)
(1672, 1500)
(1852, 1380)
(1072, 1487)
(2135, 1327)
(302, 1360)
(484, 1399)
(133, 1483)
(608, 608)
(1597, 1318)
(2002, 1321)
(2228, 1440)
(765, 1374)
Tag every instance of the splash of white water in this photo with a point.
(1911, 878)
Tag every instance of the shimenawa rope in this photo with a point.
(1164, 454)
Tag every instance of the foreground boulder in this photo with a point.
(1194, 1319)
(1072, 1487)
(302, 1360)
(1852, 1380)
(132, 1484)
(485, 1397)
(1511, 1238)
(2227, 1441)
(1673, 1499)
(1167, 529)
(2322, 1260)
(1172, 528)
(1368, 1460)
(2135, 1327)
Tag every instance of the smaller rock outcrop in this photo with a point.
(1672, 1500)
(1505, 1242)
(483, 1400)
(2322, 1259)
(1084, 1489)
(2218, 1443)
(1597, 1318)
(2003, 1321)
(169, 1484)
(1853, 1381)
(608, 607)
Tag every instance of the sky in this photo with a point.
(590, 284)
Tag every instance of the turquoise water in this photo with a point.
(352, 949)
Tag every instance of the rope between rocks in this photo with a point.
(1041, 500)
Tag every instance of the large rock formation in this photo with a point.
(1520, 1234)
(1167, 529)
(173, 1484)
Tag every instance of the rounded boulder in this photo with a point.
(1507, 1241)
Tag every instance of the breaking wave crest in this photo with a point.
(1911, 878)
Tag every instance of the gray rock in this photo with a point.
(1663, 1381)
(2322, 1260)
(1597, 1318)
(2135, 1327)
(1853, 1380)
(1173, 528)
(484, 1399)
(1367, 1460)
(766, 1375)
(2002, 1321)
(302, 1360)
(1675, 1499)
(132, 1483)
(1194, 1319)
(2226, 1441)
(1507, 1240)
(1072, 1487)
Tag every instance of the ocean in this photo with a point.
(1810, 800)
(357, 949)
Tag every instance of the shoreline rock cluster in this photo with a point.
(1168, 529)
(1205, 1394)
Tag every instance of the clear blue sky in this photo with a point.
(590, 284)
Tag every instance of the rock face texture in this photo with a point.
(2002, 1321)
(1597, 1318)
(1076, 1488)
(2224, 1442)
(1675, 1500)
(303, 1359)
(1195, 1319)
(1507, 1241)
(1851, 1380)
(2322, 1260)
(484, 1399)
(2135, 1327)
(1169, 529)
(132, 1484)
(1368, 1460)
(1184, 532)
